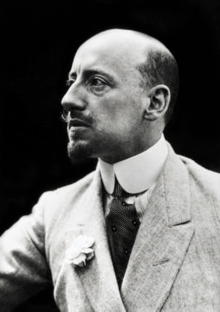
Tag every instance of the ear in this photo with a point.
(158, 102)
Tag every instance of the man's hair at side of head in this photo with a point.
(161, 68)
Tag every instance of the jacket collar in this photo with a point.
(162, 241)
(98, 276)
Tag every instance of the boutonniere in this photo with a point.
(80, 251)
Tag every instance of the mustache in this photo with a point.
(68, 115)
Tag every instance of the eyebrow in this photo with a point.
(90, 72)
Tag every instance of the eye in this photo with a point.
(98, 84)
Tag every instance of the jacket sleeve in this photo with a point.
(23, 266)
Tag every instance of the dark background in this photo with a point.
(37, 43)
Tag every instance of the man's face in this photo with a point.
(105, 99)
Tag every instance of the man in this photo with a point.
(122, 88)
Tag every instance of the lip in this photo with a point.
(75, 122)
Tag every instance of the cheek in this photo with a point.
(118, 111)
(107, 109)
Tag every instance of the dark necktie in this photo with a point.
(122, 226)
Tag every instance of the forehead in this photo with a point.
(112, 56)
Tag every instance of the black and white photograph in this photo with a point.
(110, 156)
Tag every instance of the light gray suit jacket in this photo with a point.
(174, 265)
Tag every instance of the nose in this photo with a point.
(74, 98)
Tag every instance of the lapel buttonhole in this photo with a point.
(161, 261)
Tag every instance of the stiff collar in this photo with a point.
(138, 173)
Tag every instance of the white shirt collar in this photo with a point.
(138, 173)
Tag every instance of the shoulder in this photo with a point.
(55, 202)
(204, 187)
(181, 169)
(73, 189)
(204, 178)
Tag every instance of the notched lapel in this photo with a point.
(154, 265)
(162, 241)
(98, 277)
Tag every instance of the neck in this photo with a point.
(138, 173)
(128, 150)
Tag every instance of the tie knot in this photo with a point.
(119, 191)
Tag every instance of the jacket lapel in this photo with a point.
(162, 241)
(98, 277)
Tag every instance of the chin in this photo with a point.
(79, 151)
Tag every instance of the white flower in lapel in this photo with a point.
(80, 251)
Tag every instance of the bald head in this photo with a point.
(125, 41)
(155, 63)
